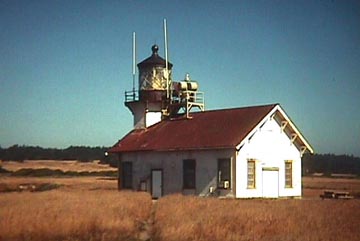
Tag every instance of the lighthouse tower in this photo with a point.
(150, 103)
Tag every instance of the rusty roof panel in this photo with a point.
(204, 130)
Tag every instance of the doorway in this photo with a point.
(270, 182)
(156, 183)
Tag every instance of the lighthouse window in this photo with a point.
(126, 171)
(189, 170)
(224, 173)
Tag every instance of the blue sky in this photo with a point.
(64, 65)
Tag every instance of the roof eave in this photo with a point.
(113, 150)
(304, 145)
(256, 128)
(302, 139)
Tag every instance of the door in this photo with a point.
(270, 183)
(156, 183)
(126, 175)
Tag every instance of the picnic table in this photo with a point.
(336, 195)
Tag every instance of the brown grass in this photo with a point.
(75, 166)
(73, 184)
(314, 186)
(90, 208)
(191, 218)
(64, 215)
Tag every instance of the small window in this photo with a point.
(251, 173)
(189, 171)
(288, 174)
(126, 173)
(224, 173)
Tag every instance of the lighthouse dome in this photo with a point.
(154, 60)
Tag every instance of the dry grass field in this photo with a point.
(64, 215)
(314, 186)
(57, 165)
(91, 208)
(189, 218)
(9, 182)
(79, 208)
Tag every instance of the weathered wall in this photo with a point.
(270, 147)
(172, 165)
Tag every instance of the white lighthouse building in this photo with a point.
(245, 152)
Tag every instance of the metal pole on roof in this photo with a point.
(134, 62)
(166, 61)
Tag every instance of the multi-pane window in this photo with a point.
(251, 173)
(224, 170)
(126, 173)
(288, 174)
(189, 172)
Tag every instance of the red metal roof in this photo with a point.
(204, 130)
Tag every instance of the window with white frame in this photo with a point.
(288, 174)
(251, 165)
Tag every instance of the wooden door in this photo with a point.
(270, 183)
(156, 183)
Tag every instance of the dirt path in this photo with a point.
(146, 227)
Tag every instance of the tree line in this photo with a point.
(317, 163)
(330, 163)
(80, 153)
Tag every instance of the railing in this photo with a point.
(189, 96)
(195, 97)
(131, 95)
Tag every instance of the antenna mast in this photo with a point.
(134, 63)
(168, 96)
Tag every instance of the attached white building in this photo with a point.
(245, 152)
